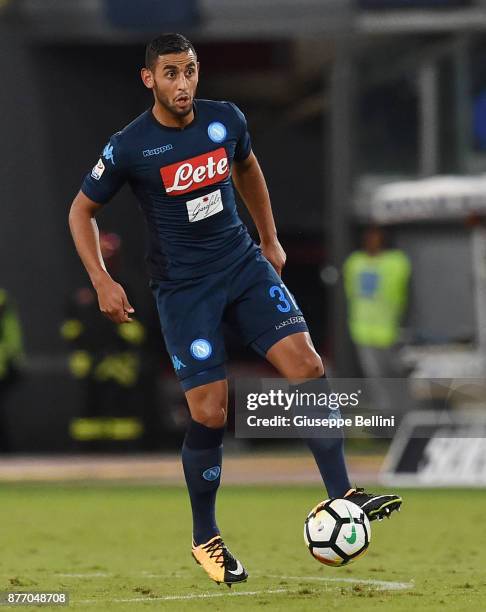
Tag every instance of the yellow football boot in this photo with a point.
(218, 562)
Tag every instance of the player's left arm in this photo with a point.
(250, 183)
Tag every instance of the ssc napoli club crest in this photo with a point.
(212, 473)
(201, 349)
(217, 131)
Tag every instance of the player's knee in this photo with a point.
(309, 366)
(212, 419)
(208, 404)
(211, 414)
(313, 367)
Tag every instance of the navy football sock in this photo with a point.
(329, 451)
(202, 454)
(329, 456)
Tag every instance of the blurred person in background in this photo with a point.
(107, 359)
(11, 355)
(376, 281)
(182, 158)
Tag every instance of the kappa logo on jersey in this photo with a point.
(157, 150)
(177, 363)
(196, 172)
(108, 153)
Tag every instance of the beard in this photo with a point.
(172, 108)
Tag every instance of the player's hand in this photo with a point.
(275, 254)
(113, 301)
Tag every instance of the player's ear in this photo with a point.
(147, 77)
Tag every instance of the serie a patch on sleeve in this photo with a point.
(98, 170)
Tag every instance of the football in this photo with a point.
(337, 532)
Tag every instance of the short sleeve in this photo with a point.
(108, 174)
(243, 146)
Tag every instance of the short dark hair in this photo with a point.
(165, 44)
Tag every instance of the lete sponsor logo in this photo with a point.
(196, 172)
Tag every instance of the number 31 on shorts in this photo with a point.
(280, 292)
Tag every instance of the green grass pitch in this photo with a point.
(128, 548)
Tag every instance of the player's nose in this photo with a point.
(182, 83)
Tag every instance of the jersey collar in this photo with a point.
(174, 129)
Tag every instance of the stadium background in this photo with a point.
(345, 101)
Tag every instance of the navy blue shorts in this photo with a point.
(248, 295)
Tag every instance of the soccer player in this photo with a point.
(182, 158)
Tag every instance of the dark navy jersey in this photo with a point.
(182, 180)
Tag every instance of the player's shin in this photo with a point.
(202, 459)
(328, 450)
(329, 456)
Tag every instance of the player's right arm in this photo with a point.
(99, 187)
(112, 298)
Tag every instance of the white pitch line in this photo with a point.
(164, 576)
(87, 575)
(183, 597)
(384, 585)
(111, 574)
